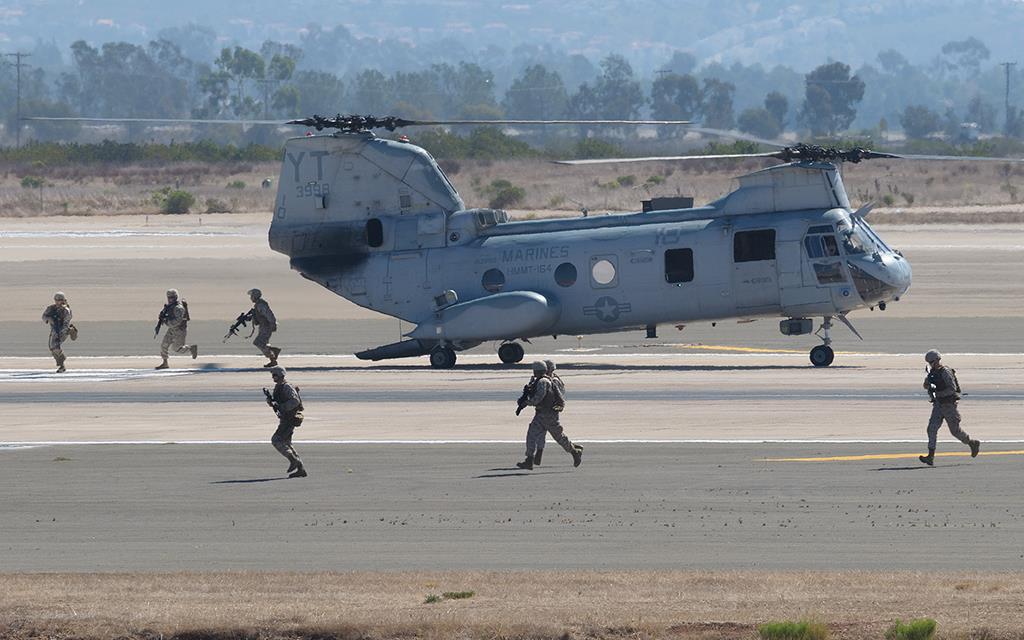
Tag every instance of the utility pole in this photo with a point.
(1007, 66)
(18, 64)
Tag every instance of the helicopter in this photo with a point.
(378, 222)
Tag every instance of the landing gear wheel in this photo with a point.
(511, 352)
(442, 358)
(822, 355)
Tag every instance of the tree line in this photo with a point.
(952, 98)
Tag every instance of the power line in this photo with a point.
(18, 64)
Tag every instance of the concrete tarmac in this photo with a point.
(461, 507)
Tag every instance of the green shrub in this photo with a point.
(32, 182)
(178, 201)
(432, 598)
(654, 180)
(458, 595)
(909, 197)
(888, 200)
(236, 184)
(504, 194)
(214, 205)
(626, 181)
(789, 630)
(595, 148)
(919, 629)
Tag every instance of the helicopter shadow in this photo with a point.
(581, 367)
(247, 481)
(513, 472)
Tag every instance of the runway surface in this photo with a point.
(677, 471)
(460, 507)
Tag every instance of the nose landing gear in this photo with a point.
(823, 355)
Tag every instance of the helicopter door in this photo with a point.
(406, 277)
(755, 271)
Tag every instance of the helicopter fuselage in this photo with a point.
(785, 244)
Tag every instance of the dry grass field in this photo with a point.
(537, 605)
(905, 191)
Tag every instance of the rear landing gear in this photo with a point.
(822, 355)
(442, 357)
(511, 352)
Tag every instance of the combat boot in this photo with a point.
(195, 350)
(577, 455)
(526, 464)
(928, 459)
(293, 466)
(299, 473)
(277, 352)
(537, 456)
(975, 447)
(162, 365)
(61, 369)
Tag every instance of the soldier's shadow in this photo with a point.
(247, 481)
(921, 467)
(513, 472)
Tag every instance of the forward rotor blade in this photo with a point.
(617, 123)
(739, 135)
(719, 156)
(916, 156)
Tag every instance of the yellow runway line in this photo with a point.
(712, 347)
(893, 456)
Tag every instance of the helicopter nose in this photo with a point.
(900, 275)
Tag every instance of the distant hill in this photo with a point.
(797, 34)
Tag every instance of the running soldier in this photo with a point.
(287, 404)
(175, 316)
(262, 317)
(546, 393)
(944, 391)
(58, 316)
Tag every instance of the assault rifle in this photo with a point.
(929, 385)
(270, 402)
(165, 314)
(528, 390)
(239, 322)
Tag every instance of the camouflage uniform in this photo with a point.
(58, 316)
(289, 408)
(264, 318)
(545, 421)
(175, 317)
(944, 407)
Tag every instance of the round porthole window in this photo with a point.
(603, 272)
(493, 280)
(565, 274)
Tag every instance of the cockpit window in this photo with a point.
(855, 241)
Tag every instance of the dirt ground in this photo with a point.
(503, 605)
(907, 191)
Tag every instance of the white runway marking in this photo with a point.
(116, 233)
(703, 354)
(61, 443)
(91, 375)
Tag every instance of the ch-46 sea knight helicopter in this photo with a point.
(377, 222)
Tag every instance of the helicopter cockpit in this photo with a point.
(879, 273)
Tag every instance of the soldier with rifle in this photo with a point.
(263, 317)
(175, 316)
(944, 392)
(287, 405)
(58, 316)
(548, 397)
